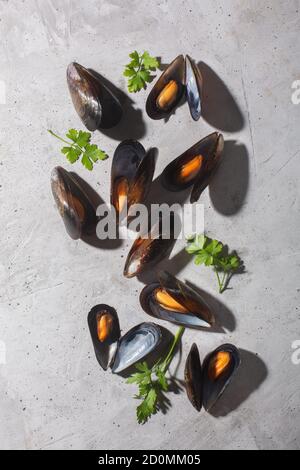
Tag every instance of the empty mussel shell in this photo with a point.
(193, 83)
(96, 105)
(105, 332)
(135, 345)
(193, 377)
(167, 91)
(173, 301)
(131, 175)
(74, 206)
(195, 166)
(205, 386)
(150, 248)
(181, 76)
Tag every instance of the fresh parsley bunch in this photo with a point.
(79, 145)
(212, 253)
(152, 382)
(139, 70)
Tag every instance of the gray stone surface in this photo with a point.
(53, 394)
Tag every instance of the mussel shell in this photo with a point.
(132, 164)
(126, 160)
(212, 390)
(135, 345)
(175, 71)
(74, 206)
(211, 163)
(142, 182)
(145, 252)
(193, 377)
(96, 105)
(105, 350)
(210, 149)
(193, 82)
(200, 317)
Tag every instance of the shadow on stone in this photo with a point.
(160, 195)
(173, 265)
(219, 107)
(162, 65)
(229, 186)
(225, 320)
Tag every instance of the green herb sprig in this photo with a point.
(79, 145)
(139, 70)
(152, 382)
(212, 253)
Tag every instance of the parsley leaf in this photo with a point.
(87, 162)
(79, 144)
(152, 382)
(135, 59)
(94, 153)
(147, 407)
(72, 134)
(212, 252)
(150, 62)
(83, 138)
(162, 379)
(72, 153)
(139, 70)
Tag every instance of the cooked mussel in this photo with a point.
(195, 166)
(105, 332)
(74, 206)
(150, 248)
(173, 301)
(96, 105)
(218, 369)
(117, 352)
(131, 175)
(167, 91)
(205, 386)
(181, 76)
(135, 345)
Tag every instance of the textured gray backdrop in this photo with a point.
(53, 393)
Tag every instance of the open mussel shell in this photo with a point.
(135, 345)
(173, 301)
(182, 75)
(168, 90)
(74, 206)
(105, 332)
(217, 371)
(193, 377)
(96, 105)
(150, 248)
(193, 83)
(205, 385)
(195, 166)
(131, 174)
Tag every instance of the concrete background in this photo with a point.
(53, 393)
